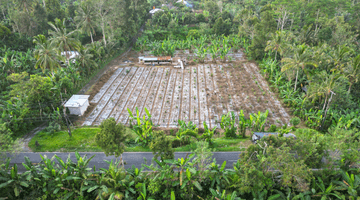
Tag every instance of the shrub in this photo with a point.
(193, 34)
(295, 121)
(272, 128)
(161, 146)
(111, 137)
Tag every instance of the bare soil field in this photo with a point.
(202, 92)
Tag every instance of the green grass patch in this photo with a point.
(83, 140)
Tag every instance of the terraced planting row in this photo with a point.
(199, 94)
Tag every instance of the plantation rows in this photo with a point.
(198, 94)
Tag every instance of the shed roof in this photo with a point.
(77, 101)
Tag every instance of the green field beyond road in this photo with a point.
(83, 140)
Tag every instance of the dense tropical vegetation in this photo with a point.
(36, 41)
(308, 50)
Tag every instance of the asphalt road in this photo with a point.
(131, 158)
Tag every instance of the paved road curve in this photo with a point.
(131, 158)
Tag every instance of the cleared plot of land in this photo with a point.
(199, 93)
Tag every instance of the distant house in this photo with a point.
(187, 4)
(71, 55)
(155, 10)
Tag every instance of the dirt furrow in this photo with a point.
(224, 89)
(185, 104)
(234, 98)
(216, 100)
(106, 86)
(210, 93)
(160, 98)
(106, 97)
(177, 98)
(149, 102)
(166, 109)
(134, 95)
(203, 109)
(194, 98)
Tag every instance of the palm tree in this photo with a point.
(325, 87)
(24, 4)
(300, 60)
(85, 59)
(353, 71)
(85, 19)
(46, 55)
(277, 42)
(61, 38)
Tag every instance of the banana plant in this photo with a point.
(208, 133)
(182, 45)
(183, 165)
(220, 175)
(313, 118)
(243, 123)
(222, 196)
(142, 127)
(115, 182)
(228, 124)
(186, 131)
(13, 182)
(202, 52)
(214, 50)
(189, 43)
(143, 193)
(325, 192)
(223, 52)
(258, 120)
(351, 183)
(235, 43)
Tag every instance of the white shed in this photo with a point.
(77, 104)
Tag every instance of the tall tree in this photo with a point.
(299, 60)
(262, 33)
(85, 18)
(46, 55)
(61, 39)
(278, 42)
(24, 5)
(352, 71)
(104, 9)
(85, 58)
